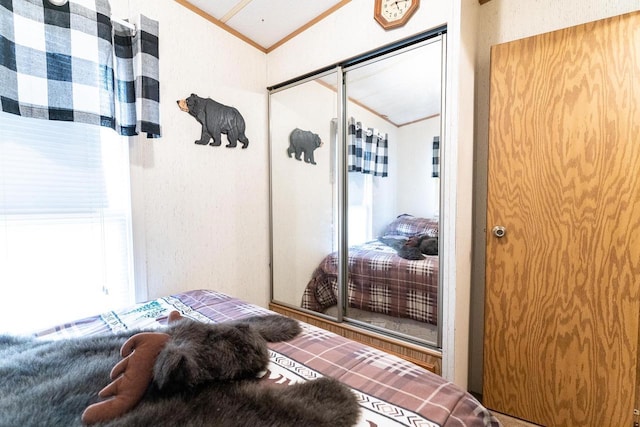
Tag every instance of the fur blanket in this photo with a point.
(204, 376)
(414, 247)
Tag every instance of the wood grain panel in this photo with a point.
(562, 298)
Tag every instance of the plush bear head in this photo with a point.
(198, 353)
(429, 246)
(186, 355)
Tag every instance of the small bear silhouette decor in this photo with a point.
(216, 119)
(303, 142)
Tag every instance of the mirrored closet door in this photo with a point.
(355, 221)
(303, 182)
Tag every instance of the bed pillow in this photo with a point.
(409, 225)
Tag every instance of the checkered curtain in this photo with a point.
(435, 159)
(368, 150)
(69, 63)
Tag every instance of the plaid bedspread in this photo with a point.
(391, 391)
(379, 281)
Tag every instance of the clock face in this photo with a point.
(393, 10)
(394, 13)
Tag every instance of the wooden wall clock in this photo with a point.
(394, 13)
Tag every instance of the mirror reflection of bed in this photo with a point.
(391, 283)
(391, 106)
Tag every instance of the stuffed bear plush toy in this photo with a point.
(303, 142)
(215, 119)
(191, 374)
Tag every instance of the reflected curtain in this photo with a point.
(69, 63)
(435, 159)
(368, 150)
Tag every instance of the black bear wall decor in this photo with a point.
(303, 141)
(215, 119)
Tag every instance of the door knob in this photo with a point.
(499, 231)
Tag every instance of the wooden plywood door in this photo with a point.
(562, 285)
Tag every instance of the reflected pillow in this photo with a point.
(409, 225)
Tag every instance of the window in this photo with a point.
(65, 222)
(360, 208)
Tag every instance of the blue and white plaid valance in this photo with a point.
(435, 158)
(368, 150)
(69, 63)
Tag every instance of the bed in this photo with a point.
(379, 280)
(390, 391)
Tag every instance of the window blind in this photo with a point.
(50, 169)
(65, 222)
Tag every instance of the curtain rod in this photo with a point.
(124, 23)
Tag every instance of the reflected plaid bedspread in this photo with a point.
(391, 391)
(379, 281)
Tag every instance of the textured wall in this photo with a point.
(200, 212)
